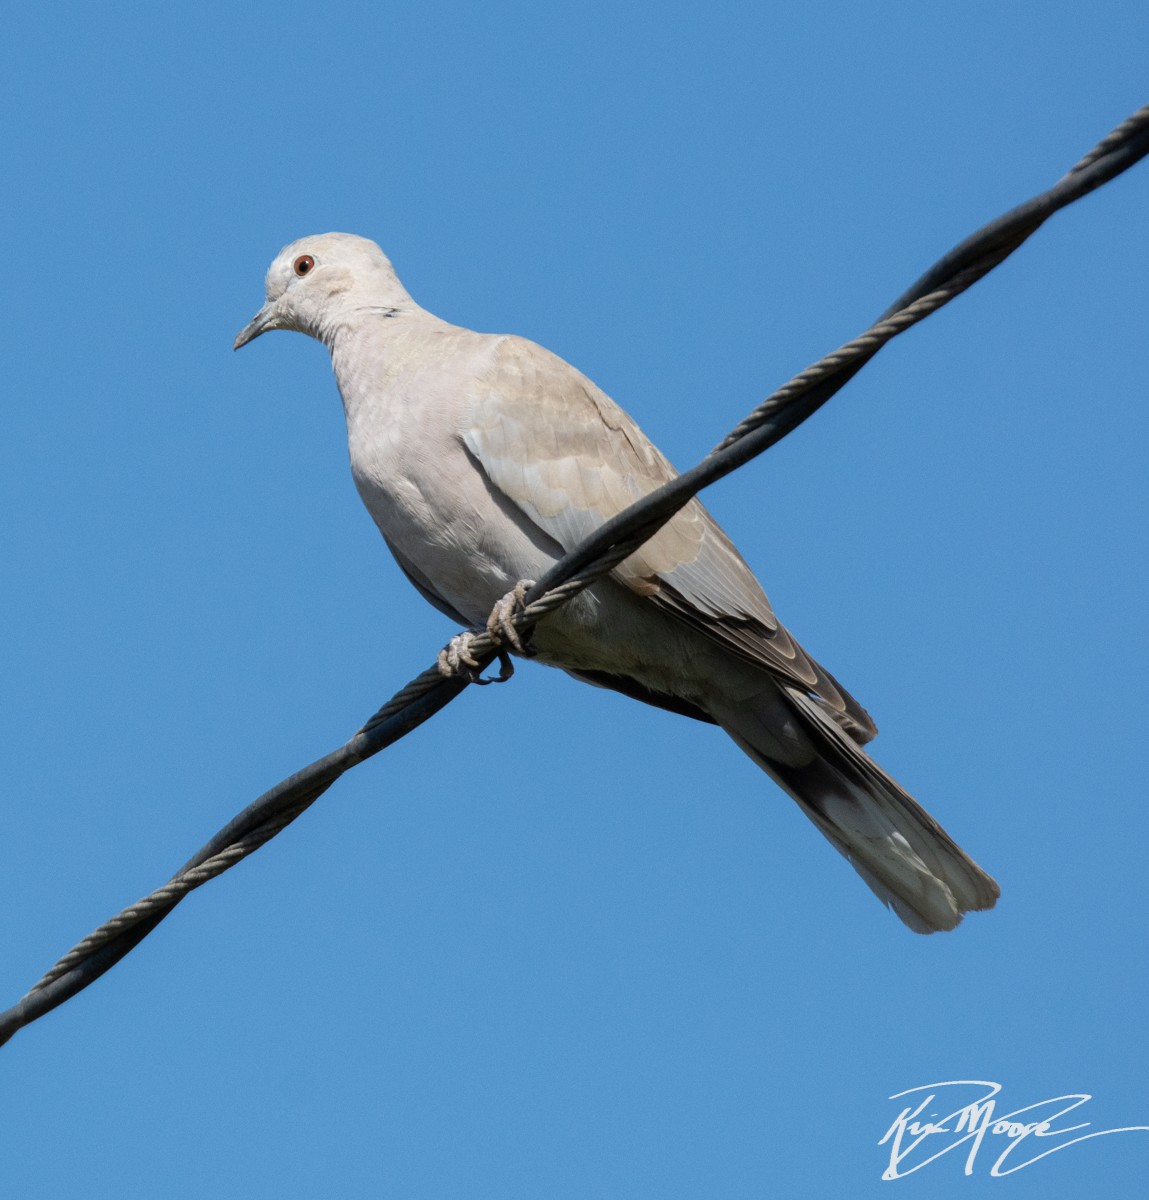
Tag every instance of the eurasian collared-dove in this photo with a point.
(483, 458)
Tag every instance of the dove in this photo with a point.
(483, 458)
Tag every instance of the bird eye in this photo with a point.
(303, 264)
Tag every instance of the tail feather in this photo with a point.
(906, 858)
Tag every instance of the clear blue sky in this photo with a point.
(557, 944)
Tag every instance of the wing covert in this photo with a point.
(587, 461)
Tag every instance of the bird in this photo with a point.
(484, 458)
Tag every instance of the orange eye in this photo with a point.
(303, 264)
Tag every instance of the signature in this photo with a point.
(915, 1140)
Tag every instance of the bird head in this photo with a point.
(317, 280)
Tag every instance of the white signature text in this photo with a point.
(922, 1132)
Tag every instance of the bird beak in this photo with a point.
(263, 320)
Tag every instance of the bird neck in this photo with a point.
(375, 345)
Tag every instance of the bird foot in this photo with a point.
(457, 659)
(457, 662)
(501, 622)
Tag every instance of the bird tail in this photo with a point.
(908, 860)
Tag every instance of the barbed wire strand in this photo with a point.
(425, 695)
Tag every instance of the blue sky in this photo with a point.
(556, 944)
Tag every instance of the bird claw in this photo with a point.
(501, 622)
(506, 670)
(457, 660)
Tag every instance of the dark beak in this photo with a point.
(260, 323)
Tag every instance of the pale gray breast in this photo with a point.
(458, 538)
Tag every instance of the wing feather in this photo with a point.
(588, 461)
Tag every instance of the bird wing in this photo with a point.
(570, 458)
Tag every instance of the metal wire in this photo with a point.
(431, 691)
